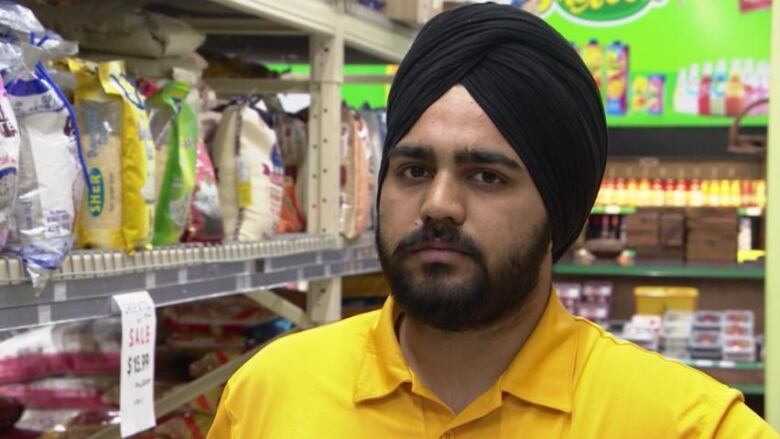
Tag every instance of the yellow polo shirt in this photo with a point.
(570, 380)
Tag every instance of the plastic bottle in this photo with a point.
(748, 81)
(691, 101)
(594, 60)
(762, 86)
(735, 90)
(680, 87)
(705, 88)
(718, 89)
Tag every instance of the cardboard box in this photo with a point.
(414, 12)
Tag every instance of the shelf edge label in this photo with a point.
(136, 382)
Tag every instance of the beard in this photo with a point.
(489, 296)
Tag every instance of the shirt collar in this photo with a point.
(541, 373)
(384, 367)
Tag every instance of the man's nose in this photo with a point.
(444, 199)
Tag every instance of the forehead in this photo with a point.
(456, 122)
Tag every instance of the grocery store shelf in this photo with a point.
(613, 210)
(377, 36)
(183, 394)
(670, 269)
(725, 364)
(750, 389)
(753, 212)
(89, 279)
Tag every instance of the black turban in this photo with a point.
(533, 86)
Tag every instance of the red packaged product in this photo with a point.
(204, 222)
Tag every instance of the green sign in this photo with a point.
(673, 63)
(599, 12)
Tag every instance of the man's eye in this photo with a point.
(484, 177)
(414, 172)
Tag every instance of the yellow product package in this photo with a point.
(99, 119)
(137, 160)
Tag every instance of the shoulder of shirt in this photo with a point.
(620, 364)
(336, 345)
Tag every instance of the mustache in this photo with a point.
(440, 233)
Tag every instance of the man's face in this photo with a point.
(462, 228)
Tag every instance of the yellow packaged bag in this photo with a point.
(138, 176)
(117, 213)
(99, 120)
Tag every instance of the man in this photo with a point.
(496, 147)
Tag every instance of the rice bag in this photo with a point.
(122, 29)
(175, 132)
(117, 212)
(78, 348)
(9, 163)
(50, 179)
(62, 392)
(204, 222)
(356, 183)
(250, 172)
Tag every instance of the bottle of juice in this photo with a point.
(620, 192)
(696, 196)
(617, 79)
(735, 190)
(642, 192)
(760, 194)
(593, 58)
(680, 92)
(705, 87)
(634, 193)
(718, 89)
(691, 102)
(657, 193)
(735, 90)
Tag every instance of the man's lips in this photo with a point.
(438, 253)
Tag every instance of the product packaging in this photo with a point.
(617, 79)
(117, 211)
(250, 171)
(739, 348)
(204, 222)
(175, 132)
(569, 295)
(356, 183)
(50, 170)
(592, 55)
(82, 393)
(78, 348)
(10, 141)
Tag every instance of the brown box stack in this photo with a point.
(657, 233)
(414, 12)
(712, 234)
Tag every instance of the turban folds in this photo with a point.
(534, 87)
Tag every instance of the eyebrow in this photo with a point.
(417, 152)
(464, 156)
(482, 157)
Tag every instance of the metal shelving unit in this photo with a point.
(668, 270)
(84, 287)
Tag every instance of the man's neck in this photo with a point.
(460, 366)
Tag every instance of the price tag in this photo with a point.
(136, 383)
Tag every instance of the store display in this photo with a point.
(724, 88)
(644, 192)
(175, 132)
